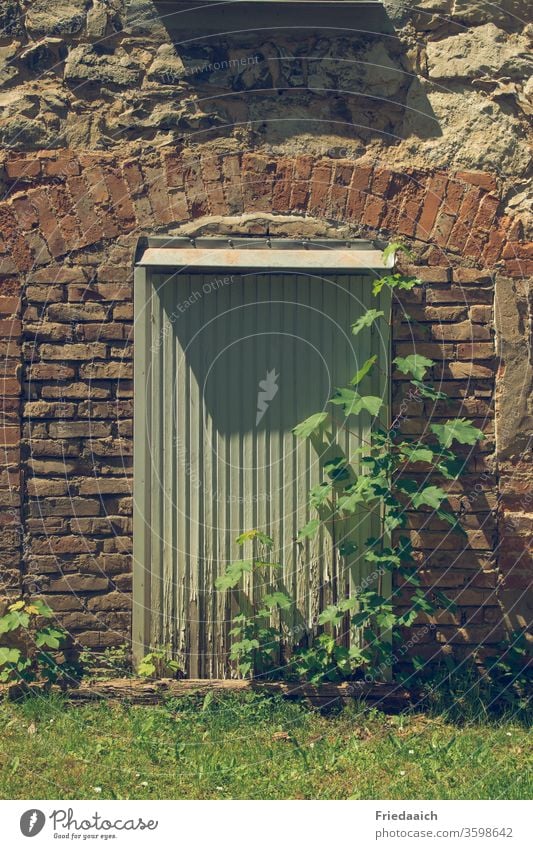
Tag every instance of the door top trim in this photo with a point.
(253, 253)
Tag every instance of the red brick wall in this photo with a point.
(70, 224)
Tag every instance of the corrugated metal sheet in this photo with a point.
(220, 465)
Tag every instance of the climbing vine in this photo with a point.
(386, 477)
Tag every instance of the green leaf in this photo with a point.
(245, 667)
(414, 364)
(433, 496)
(429, 392)
(353, 403)
(310, 425)
(50, 637)
(348, 603)
(43, 609)
(277, 599)
(7, 624)
(396, 247)
(360, 619)
(233, 574)
(8, 655)
(337, 469)
(418, 455)
(363, 371)
(243, 647)
(249, 536)
(444, 601)
(407, 618)
(346, 548)
(372, 404)
(309, 530)
(394, 281)
(386, 619)
(452, 520)
(319, 494)
(330, 616)
(366, 320)
(460, 430)
(346, 398)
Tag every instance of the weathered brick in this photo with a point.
(77, 312)
(463, 331)
(75, 391)
(111, 601)
(46, 486)
(101, 371)
(73, 352)
(77, 583)
(104, 486)
(62, 545)
(109, 331)
(106, 410)
(120, 199)
(123, 312)
(48, 223)
(478, 178)
(475, 351)
(21, 169)
(480, 314)
(433, 274)
(282, 186)
(48, 331)
(319, 188)
(457, 295)
(49, 371)
(48, 410)
(65, 507)
(71, 430)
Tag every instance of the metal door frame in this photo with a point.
(188, 256)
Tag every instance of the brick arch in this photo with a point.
(62, 200)
(64, 208)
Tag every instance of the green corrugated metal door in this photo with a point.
(233, 364)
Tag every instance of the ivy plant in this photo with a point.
(29, 649)
(254, 641)
(158, 663)
(396, 475)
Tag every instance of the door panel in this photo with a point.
(233, 364)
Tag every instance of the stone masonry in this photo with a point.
(112, 132)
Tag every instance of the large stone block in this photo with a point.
(514, 13)
(62, 17)
(483, 52)
(86, 64)
(10, 18)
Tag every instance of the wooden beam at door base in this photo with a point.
(385, 697)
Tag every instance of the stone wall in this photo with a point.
(111, 132)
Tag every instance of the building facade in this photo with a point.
(383, 122)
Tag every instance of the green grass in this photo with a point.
(254, 747)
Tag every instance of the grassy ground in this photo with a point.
(254, 748)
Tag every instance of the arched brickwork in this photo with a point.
(70, 223)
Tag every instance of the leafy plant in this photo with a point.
(158, 663)
(387, 485)
(113, 661)
(509, 672)
(254, 640)
(29, 649)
